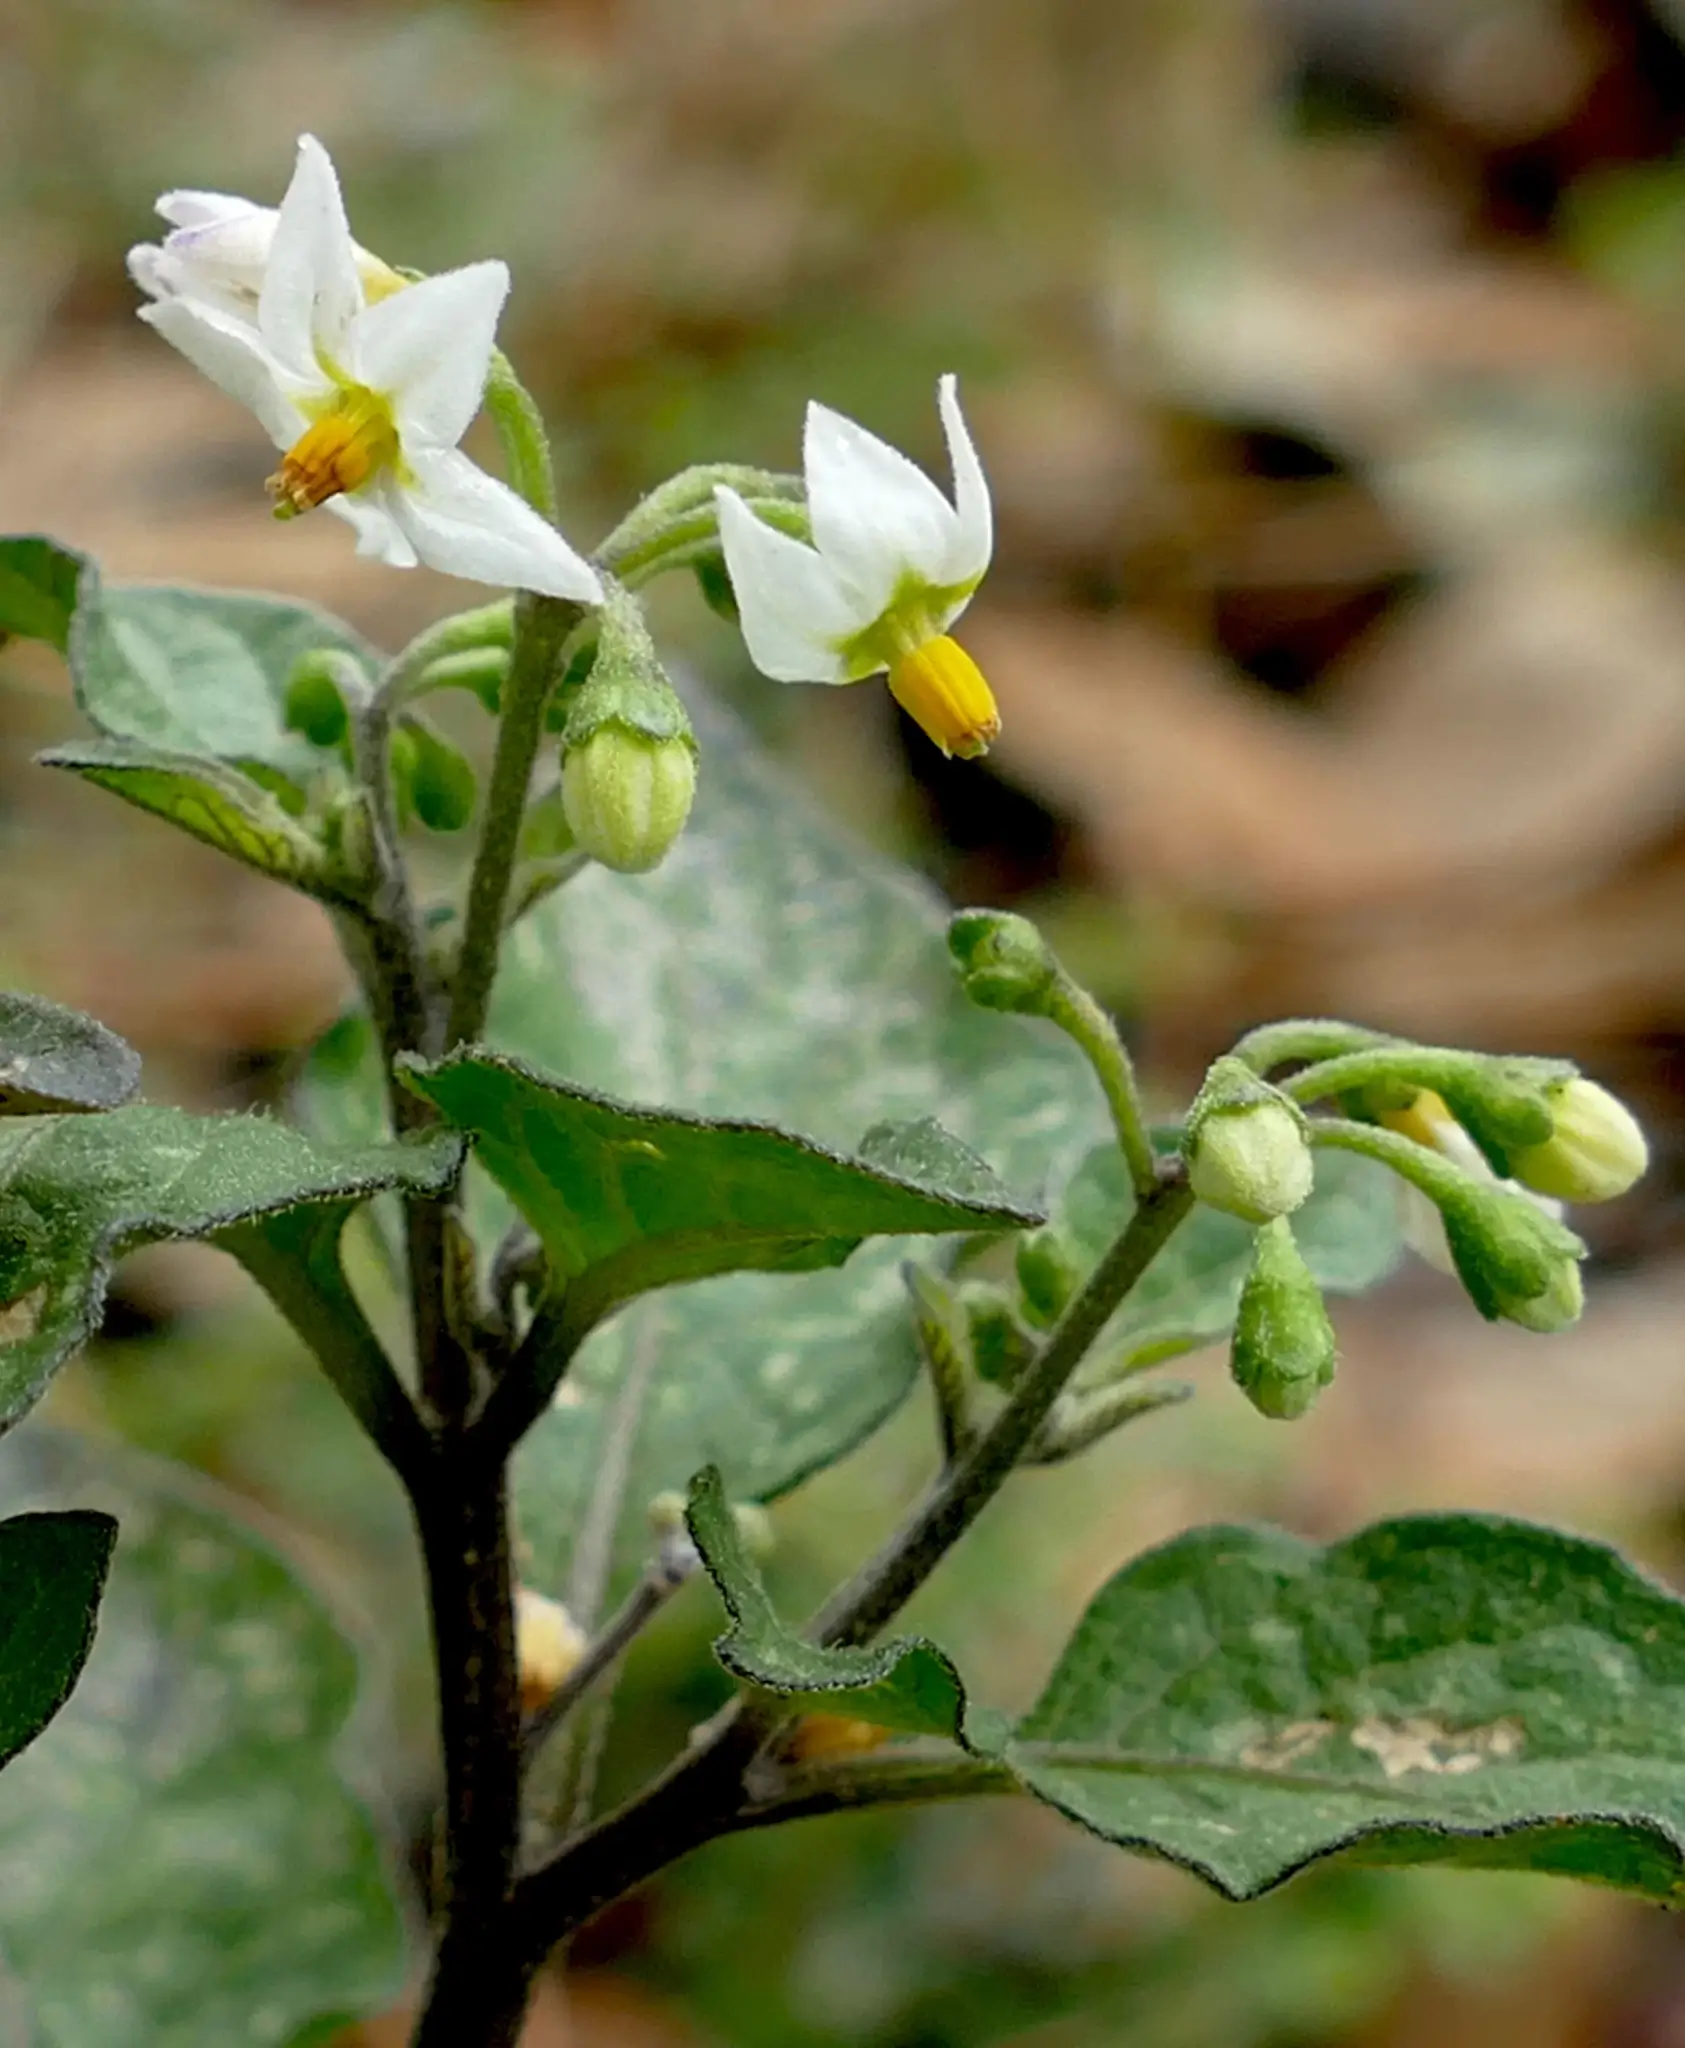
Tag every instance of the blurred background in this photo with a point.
(1328, 360)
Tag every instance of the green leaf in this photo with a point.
(52, 1569)
(185, 1865)
(52, 1058)
(627, 1200)
(1347, 1231)
(214, 803)
(77, 1192)
(769, 969)
(38, 582)
(202, 673)
(906, 1684)
(1438, 1689)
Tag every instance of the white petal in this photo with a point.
(972, 537)
(466, 523)
(379, 536)
(231, 353)
(427, 348)
(876, 516)
(152, 270)
(206, 209)
(792, 611)
(311, 290)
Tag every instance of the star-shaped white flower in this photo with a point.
(892, 565)
(367, 396)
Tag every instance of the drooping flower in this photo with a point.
(891, 567)
(1428, 1120)
(367, 396)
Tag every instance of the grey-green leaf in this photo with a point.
(906, 1684)
(627, 1200)
(185, 1865)
(770, 968)
(201, 672)
(77, 1192)
(38, 582)
(52, 1570)
(212, 802)
(1347, 1231)
(54, 1059)
(1440, 1688)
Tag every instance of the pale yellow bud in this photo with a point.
(548, 1646)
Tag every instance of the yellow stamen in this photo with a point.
(338, 452)
(940, 685)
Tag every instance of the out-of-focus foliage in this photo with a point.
(1325, 357)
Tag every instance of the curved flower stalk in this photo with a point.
(366, 394)
(892, 566)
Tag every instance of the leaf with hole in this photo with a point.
(1437, 1689)
(185, 1863)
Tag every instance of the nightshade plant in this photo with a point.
(598, 1121)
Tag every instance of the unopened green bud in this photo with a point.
(439, 783)
(1596, 1149)
(1001, 1347)
(313, 704)
(1245, 1145)
(626, 796)
(1004, 962)
(1282, 1351)
(1518, 1264)
(1047, 1275)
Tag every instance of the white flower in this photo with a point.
(892, 565)
(1431, 1123)
(218, 250)
(368, 399)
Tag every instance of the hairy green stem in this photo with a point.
(1304, 1038)
(542, 625)
(883, 1586)
(907, 1774)
(1081, 1018)
(520, 433)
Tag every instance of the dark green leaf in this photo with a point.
(1442, 1688)
(185, 1866)
(52, 1568)
(226, 809)
(628, 1200)
(906, 1683)
(38, 582)
(770, 968)
(202, 673)
(1347, 1231)
(52, 1058)
(76, 1192)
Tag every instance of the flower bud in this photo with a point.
(1047, 1275)
(1517, 1264)
(1245, 1145)
(548, 1646)
(1282, 1351)
(626, 796)
(1001, 1347)
(1596, 1149)
(1004, 962)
